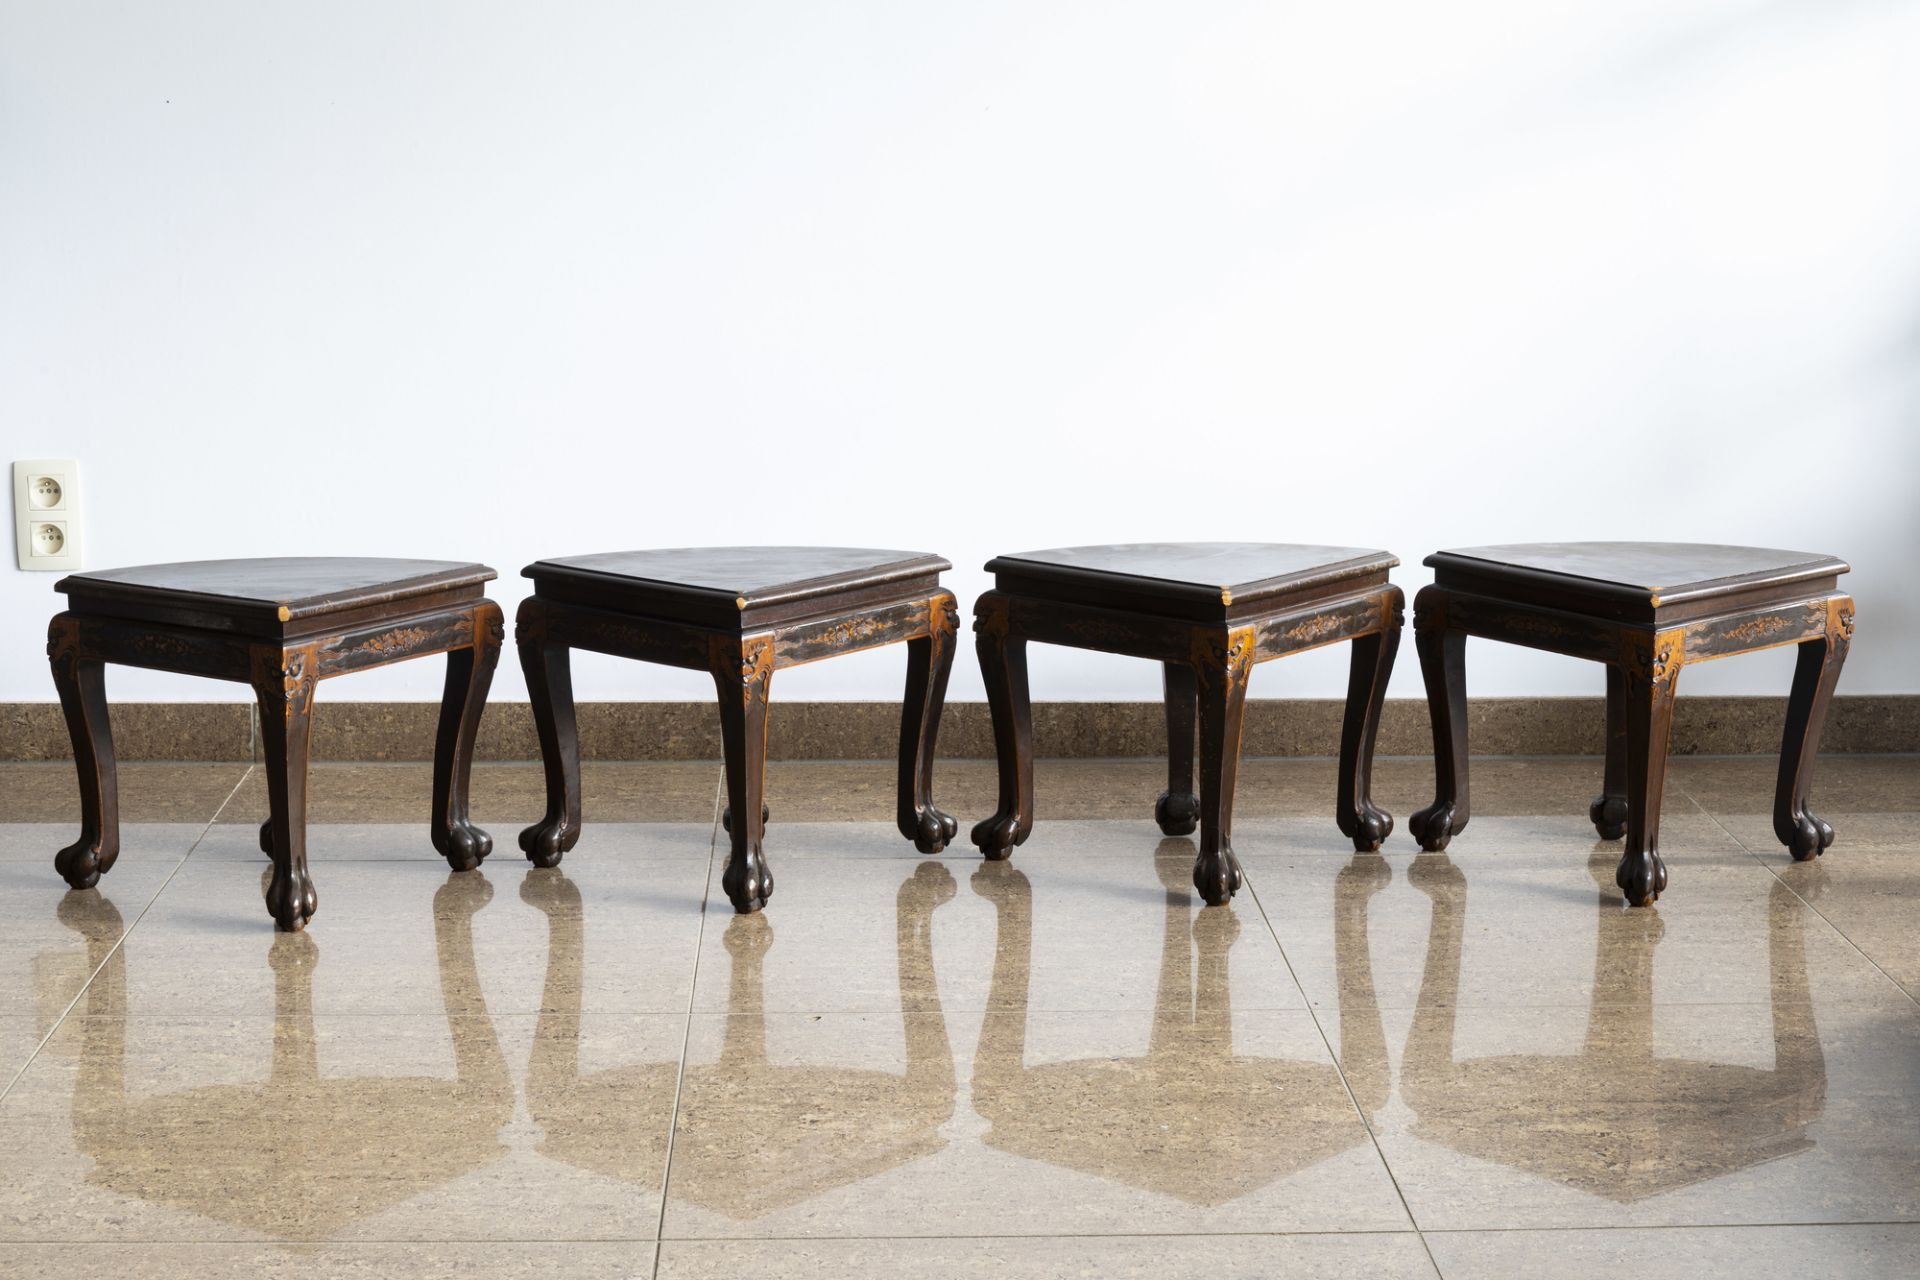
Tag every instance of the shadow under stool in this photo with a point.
(1207, 611)
(1645, 609)
(281, 625)
(739, 613)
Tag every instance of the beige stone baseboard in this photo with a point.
(870, 730)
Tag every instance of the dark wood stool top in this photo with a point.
(736, 586)
(271, 596)
(1646, 610)
(1205, 581)
(281, 625)
(1646, 581)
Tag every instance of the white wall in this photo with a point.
(504, 281)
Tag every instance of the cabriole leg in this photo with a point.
(1360, 819)
(1003, 664)
(82, 686)
(1222, 663)
(1804, 832)
(742, 676)
(1443, 665)
(469, 673)
(283, 681)
(1649, 698)
(1609, 809)
(1178, 808)
(929, 662)
(546, 664)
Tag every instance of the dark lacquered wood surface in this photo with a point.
(1239, 567)
(274, 588)
(753, 573)
(1660, 570)
(1200, 581)
(737, 586)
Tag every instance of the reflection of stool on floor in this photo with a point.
(1615, 1119)
(613, 1122)
(753, 1137)
(1191, 1118)
(296, 1154)
(1645, 609)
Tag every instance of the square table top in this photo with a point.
(264, 595)
(735, 585)
(1202, 580)
(1644, 576)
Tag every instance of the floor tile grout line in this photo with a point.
(686, 1030)
(124, 933)
(562, 1241)
(1261, 1235)
(1767, 864)
(1352, 1097)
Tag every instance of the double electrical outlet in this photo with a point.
(46, 513)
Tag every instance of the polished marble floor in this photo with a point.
(1472, 1064)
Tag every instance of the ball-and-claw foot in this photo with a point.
(1810, 837)
(464, 846)
(1177, 812)
(1434, 826)
(726, 818)
(747, 881)
(996, 837)
(81, 865)
(1217, 876)
(934, 830)
(1370, 829)
(291, 899)
(547, 841)
(1609, 816)
(1641, 877)
(266, 837)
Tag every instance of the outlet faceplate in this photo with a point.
(46, 514)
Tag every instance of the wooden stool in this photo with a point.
(739, 613)
(1645, 609)
(280, 625)
(1208, 611)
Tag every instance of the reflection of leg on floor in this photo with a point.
(1190, 1118)
(1363, 1040)
(756, 1137)
(297, 1154)
(1616, 1119)
(613, 1122)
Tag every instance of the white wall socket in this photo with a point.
(46, 513)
